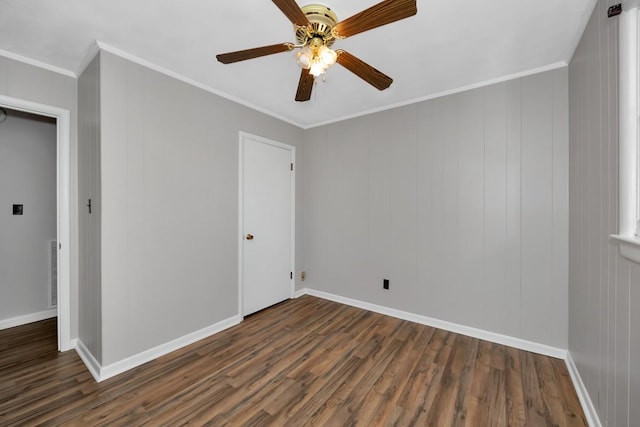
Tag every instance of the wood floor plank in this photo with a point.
(534, 405)
(444, 410)
(347, 403)
(426, 380)
(302, 362)
(515, 405)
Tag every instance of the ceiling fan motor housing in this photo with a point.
(322, 20)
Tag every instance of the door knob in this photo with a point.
(249, 237)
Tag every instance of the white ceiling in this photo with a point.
(448, 45)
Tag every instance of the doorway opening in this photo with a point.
(59, 260)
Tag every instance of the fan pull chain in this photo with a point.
(315, 91)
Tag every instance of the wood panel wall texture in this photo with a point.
(89, 307)
(604, 288)
(460, 201)
(169, 214)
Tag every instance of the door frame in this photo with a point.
(292, 150)
(63, 221)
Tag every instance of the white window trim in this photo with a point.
(629, 110)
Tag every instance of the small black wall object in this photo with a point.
(17, 209)
(614, 10)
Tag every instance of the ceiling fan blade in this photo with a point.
(383, 13)
(292, 11)
(241, 55)
(305, 86)
(363, 70)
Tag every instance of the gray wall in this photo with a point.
(28, 177)
(604, 288)
(169, 177)
(89, 309)
(460, 201)
(22, 81)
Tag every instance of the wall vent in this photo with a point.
(53, 273)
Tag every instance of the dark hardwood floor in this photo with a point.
(303, 362)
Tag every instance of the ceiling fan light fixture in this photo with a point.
(327, 56)
(317, 68)
(316, 29)
(304, 57)
(316, 59)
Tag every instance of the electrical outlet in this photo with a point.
(303, 275)
(385, 283)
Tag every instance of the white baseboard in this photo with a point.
(87, 358)
(28, 318)
(583, 395)
(101, 373)
(587, 405)
(441, 324)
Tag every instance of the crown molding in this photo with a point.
(584, 21)
(94, 48)
(37, 63)
(460, 89)
(90, 53)
(155, 67)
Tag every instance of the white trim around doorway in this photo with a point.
(63, 129)
(292, 149)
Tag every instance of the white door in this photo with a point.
(267, 194)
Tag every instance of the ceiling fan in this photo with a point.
(316, 28)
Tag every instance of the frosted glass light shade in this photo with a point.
(316, 60)
(327, 56)
(304, 57)
(317, 68)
